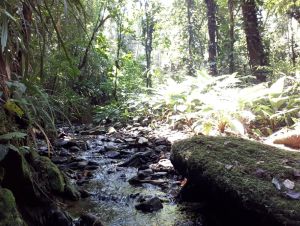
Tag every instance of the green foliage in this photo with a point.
(13, 135)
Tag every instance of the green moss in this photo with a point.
(70, 190)
(9, 215)
(243, 167)
(54, 178)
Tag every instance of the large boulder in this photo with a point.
(35, 183)
(242, 178)
(9, 215)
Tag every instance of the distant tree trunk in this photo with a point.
(231, 35)
(148, 29)
(257, 56)
(293, 44)
(117, 61)
(4, 76)
(190, 7)
(26, 30)
(212, 31)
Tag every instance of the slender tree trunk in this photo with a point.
(257, 56)
(148, 39)
(4, 76)
(190, 7)
(117, 62)
(293, 51)
(26, 29)
(231, 35)
(212, 31)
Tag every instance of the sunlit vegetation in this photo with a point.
(199, 65)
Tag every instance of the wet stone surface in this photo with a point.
(124, 176)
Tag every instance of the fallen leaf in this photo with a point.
(276, 183)
(228, 166)
(289, 184)
(290, 140)
(293, 194)
(183, 182)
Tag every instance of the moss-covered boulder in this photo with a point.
(17, 176)
(233, 172)
(9, 215)
(53, 178)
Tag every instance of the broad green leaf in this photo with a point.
(13, 107)
(13, 135)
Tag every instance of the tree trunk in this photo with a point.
(212, 31)
(190, 7)
(231, 35)
(148, 39)
(4, 76)
(257, 56)
(26, 29)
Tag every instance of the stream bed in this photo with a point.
(117, 171)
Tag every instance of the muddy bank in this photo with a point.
(247, 182)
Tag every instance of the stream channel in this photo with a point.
(116, 171)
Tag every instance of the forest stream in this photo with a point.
(122, 173)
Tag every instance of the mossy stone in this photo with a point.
(244, 169)
(54, 177)
(9, 215)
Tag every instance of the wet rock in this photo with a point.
(53, 177)
(137, 181)
(74, 149)
(84, 193)
(44, 151)
(159, 175)
(9, 215)
(82, 182)
(113, 154)
(150, 205)
(65, 143)
(162, 148)
(110, 147)
(111, 130)
(93, 163)
(94, 131)
(59, 160)
(137, 159)
(64, 153)
(145, 173)
(59, 217)
(71, 192)
(91, 167)
(89, 220)
(162, 165)
(143, 141)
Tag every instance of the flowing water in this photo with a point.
(113, 199)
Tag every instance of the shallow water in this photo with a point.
(113, 199)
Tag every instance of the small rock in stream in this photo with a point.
(150, 205)
(84, 193)
(112, 154)
(143, 141)
(74, 149)
(59, 160)
(89, 220)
